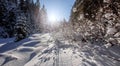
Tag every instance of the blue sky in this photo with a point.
(60, 9)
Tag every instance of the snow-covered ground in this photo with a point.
(44, 50)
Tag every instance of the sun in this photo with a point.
(52, 18)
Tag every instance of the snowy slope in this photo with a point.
(43, 50)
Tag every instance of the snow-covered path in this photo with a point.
(43, 50)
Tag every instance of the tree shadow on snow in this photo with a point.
(12, 45)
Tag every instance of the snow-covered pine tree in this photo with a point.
(43, 19)
(21, 27)
(7, 17)
(11, 10)
(97, 20)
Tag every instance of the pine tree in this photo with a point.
(8, 16)
(29, 12)
(43, 18)
(21, 27)
(97, 19)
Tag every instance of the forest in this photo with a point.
(90, 37)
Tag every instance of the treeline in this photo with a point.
(21, 16)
